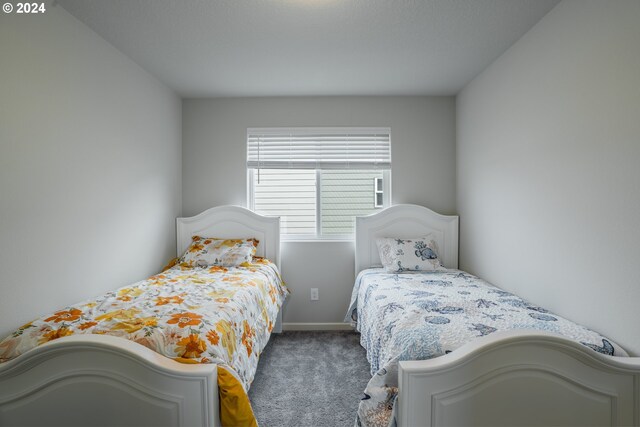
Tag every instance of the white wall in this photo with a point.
(90, 166)
(214, 173)
(547, 159)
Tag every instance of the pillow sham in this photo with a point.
(415, 254)
(208, 251)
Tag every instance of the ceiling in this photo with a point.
(216, 48)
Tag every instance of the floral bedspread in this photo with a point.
(204, 315)
(417, 316)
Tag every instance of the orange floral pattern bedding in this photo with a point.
(202, 315)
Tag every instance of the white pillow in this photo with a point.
(415, 254)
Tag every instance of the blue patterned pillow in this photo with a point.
(398, 255)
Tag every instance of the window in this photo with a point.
(378, 192)
(317, 180)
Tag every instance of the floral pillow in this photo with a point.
(208, 251)
(398, 255)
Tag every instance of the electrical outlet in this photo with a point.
(314, 294)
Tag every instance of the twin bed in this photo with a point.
(506, 362)
(114, 360)
(502, 361)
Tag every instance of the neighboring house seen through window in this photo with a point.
(317, 180)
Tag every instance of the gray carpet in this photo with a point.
(310, 379)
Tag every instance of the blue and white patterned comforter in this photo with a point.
(417, 316)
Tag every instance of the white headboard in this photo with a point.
(232, 222)
(405, 221)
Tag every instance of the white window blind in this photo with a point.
(318, 179)
(319, 148)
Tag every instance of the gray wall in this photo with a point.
(547, 160)
(90, 167)
(214, 173)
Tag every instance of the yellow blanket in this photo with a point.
(235, 407)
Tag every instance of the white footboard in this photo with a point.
(99, 380)
(520, 379)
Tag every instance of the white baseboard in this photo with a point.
(316, 327)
